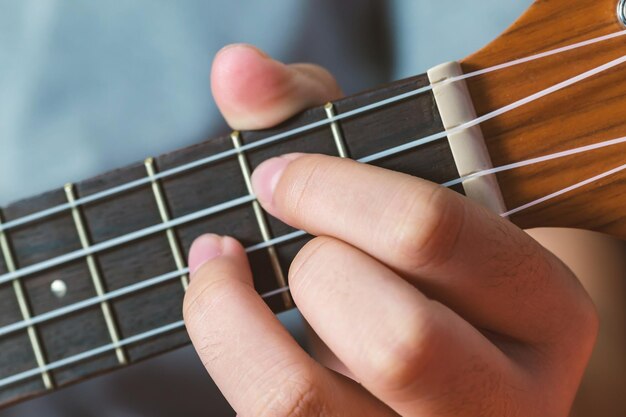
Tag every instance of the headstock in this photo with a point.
(589, 112)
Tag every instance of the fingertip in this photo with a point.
(254, 91)
(266, 176)
(204, 249)
(245, 81)
(242, 46)
(210, 246)
(232, 247)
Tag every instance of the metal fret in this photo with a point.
(25, 311)
(95, 276)
(334, 127)
(165, 217)
(261, 221)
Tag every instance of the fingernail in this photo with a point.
(268, 174)
(203, 249)
(245, 46)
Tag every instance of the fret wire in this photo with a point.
(95, 276)
(342, 149)
(261, 220)
(25, 311)
(165, 217)
(107, 348)
(310, 126)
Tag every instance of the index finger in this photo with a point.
(479, 264)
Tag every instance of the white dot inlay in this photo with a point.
(58, 288)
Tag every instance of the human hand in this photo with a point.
(436, 306)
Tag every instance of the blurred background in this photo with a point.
(90, 86)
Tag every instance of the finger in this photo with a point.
(411, 352)
(323, 354)
(254, 91)
(256, 364)
(482, 266)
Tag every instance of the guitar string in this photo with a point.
(139, 286)
(120, 240)
(284, 135)
(106, 348)
(566, 190)
(532, 161)
(583, 183)
(181, 324)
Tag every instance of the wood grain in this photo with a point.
(589, 112)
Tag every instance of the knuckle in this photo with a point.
(298, 395)
(428, 233)
(400, 362)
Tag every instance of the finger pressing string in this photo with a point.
(257, 365)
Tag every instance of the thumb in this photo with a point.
(254, 91)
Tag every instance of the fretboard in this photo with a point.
(117, 298)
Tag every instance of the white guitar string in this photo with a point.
(565, 190)
(53, 314)
(537, 56)
(106, 348)
(498, 112)
(59, 260)
(284, 135)
(537, 160)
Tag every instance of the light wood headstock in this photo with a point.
(589, 112)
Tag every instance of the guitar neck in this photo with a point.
(98, 282)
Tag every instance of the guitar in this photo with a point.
(530, 126)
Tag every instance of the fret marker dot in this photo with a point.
(58, 288)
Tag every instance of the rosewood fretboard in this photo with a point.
(147, 321)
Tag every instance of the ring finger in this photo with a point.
(403, 347)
